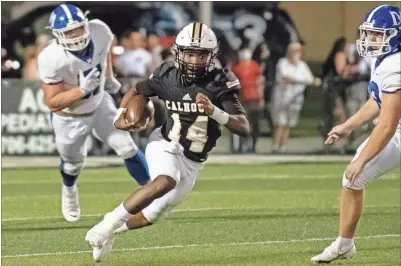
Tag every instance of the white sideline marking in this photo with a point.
(14, 219)
(195, 245)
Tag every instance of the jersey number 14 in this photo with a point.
(197, 132)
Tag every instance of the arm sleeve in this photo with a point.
(229, 95)
(107, 33)
(150, 87)
(231, 104)
(391, 82)
(48, 69)
(231, 83)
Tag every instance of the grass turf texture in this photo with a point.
(236, 215)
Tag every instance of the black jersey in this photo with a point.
(186, 123)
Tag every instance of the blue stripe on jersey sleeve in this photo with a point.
(390, 92)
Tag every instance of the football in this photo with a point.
(139, 111)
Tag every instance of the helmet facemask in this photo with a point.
(66, 36)
(379, 46)
(194, 63)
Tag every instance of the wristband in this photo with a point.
(220, 116)
(119, 112)
(150, 105)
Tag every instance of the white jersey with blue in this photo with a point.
(58, 65)
(385, 77)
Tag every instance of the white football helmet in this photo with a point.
(196, 37)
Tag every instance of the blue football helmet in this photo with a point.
(380, 33)
(63, 20)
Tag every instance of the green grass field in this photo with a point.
(236, 215)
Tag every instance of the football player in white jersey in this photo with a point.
(77, 75)
(380, 38)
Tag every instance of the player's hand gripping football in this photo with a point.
(204, 102)
(336, 133)
(122, 123)
(90, 82)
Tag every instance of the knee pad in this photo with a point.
(123, 144)
(129, 153)
(71, 168)
(359, 183)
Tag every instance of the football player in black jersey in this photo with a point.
(199, 98)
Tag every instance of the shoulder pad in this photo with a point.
(99, 27)
(390, 64)
(164, 68)
(224, 81)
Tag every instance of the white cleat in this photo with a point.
(70, 203)
(334, 252)
(100, 252)
(99, 234)
(101, 237)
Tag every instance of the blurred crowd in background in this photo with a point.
(274, 79)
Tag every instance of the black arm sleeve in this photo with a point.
(231, 104)
(152, 85)
(227, 89)
(148, 87)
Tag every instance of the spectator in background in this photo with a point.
(124, 46)
(335, 70)
(264, 57)
(30, 69)
(125, 41)
(115, 50)
(250, 76)
(358, 80)
(234, 60)
(154, 47)
(292, 77)
(356, 85)
(135, 62)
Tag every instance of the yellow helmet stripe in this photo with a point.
(197, 32)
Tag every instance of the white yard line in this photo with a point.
(14, 219)
(269, 242)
